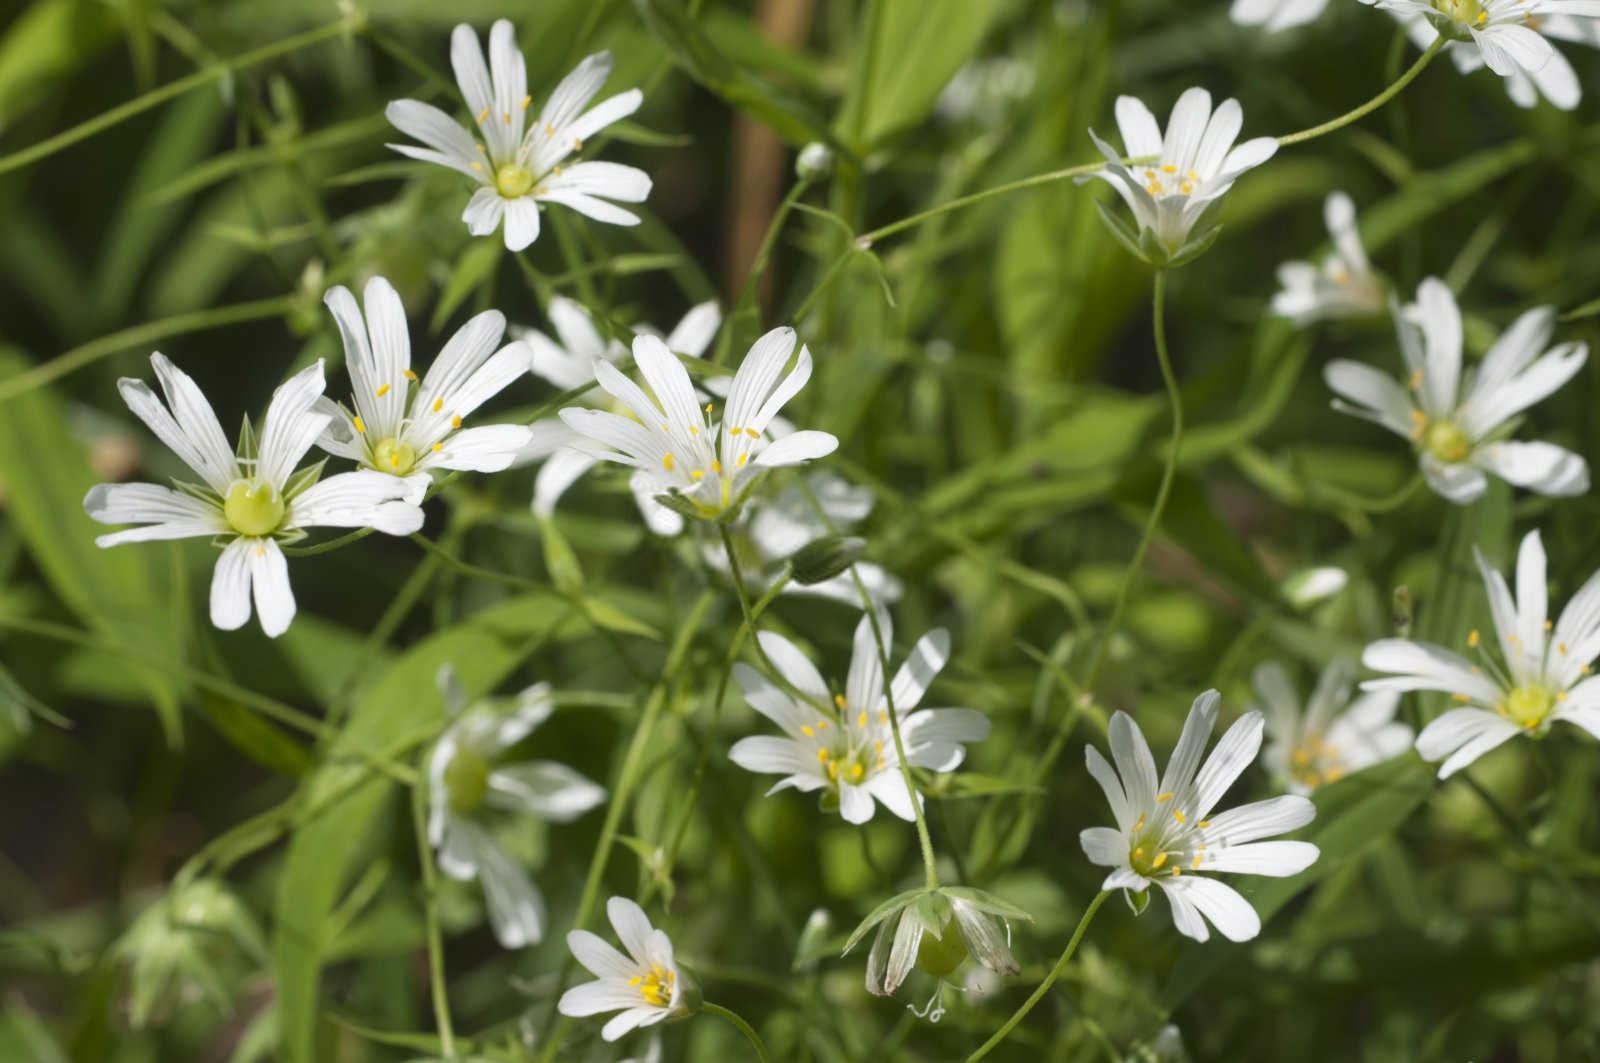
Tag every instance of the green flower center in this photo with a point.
(253, 508)
(1462, 12)
(940, 954)
(1446, 442)
(394, 456)
(513, 180)
(466, 780)
(1527, 706)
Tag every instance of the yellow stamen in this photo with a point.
(525, 101)
(1473, 638)
(697, 474)
(1178, 815)
(381, 392)
(483, 115)
(438, 404)
(806, 730)
(1459, 697)
(1160, 859)
(408, 374)
(438, 446)
(716, 466)
(838, 700)
(861, 721)
(360, 428)
(667, 461)
(822, 756)
(1139, 825)
(1162, 799)
(455, 422)
(1205, 823)
(476, 165)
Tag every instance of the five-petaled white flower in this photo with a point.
(645, 985)
(1275, 15)
(1174, 184)
(1507, 36)
(517, 170)
(1333, 735)
(251, 501)
(1457, 423)
(395, 431)
(465, 784)
(703, 467)
(1343, 286)
(786, 522)
(1543, 675)
(1167, 836)
(569, 364)
(843, 743)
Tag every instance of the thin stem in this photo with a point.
(441, 998)
(929, 867)
(1049, 980)
(476, 572)
(868, 239)
(140, 104)
(1519, 835)
(150, 332)
(733, 1019)
(1371, 105)
(1151, 522)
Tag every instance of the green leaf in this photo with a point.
(474, 268)
(612, 618)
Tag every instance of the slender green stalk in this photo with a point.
(276, 710)
(1371, 105)
(1168, 471)
(1049, 980)
(441, 998)
(1519, 835)
(465, 568)
(623, 790)
(141, 103)
(929, 866)
(733, 1019)
(150, 332)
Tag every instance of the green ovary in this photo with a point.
(253, 508)
(1446, 442)
(466, 780)
(1528, 706)
(512, 180)
(394, 456)
(941, 954)
(1463, 12)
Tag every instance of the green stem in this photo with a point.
(1519, 835)
(140, 104)
(1049, 980)
(268, 707)
(1159, 311)
(631, 761)
(150, 332)
(1371, 105)
(476, 572)
(441, 998)
(733, 1019)
(929, 867)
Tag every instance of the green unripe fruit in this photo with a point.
(253, 508)
(466, 780)
(939, 955)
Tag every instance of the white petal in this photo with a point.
(1185, 128)
(166, 514)
(269, 579)
(575, 91)
(198, 454)
(1185, 759)
(1259, 819)
(594, 998)
(547, 789)
(484, 211)
(1435, 311)
(1423, 666)
(1379, 395)
(632, 926)
(559, 472)
(390, 339)
(590, 207)
(489, 448)
(196, 419)
(462, 355)
(1460, 483)
(230, 586)
(1141, 135)
(292, 425)
(1274, 859)
(1135, 765)
(863, 685)
(855, 804)
(598, 957)
(917, 673)
(794, 665)
(1121, 810)
(1235, 751)
(1466, 734)
(631, 1020)
(1221, 904)
(697, 329)
(360, 499)
(1104, 846)
(522, 222)
(604, 113)
(448, 144)
(797, 447)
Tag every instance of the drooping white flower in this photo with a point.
(568, 362)
(249, 502)
(849, 752)
(1343, 286)
(396, 430)
(1507, 36)
(1541, 676)
(1456, 420)
(1333, 735)
(1175, 182)
(466, 784)
(1307, 587)
(644, 986)
(704, 467)
(1555, 81)
(1275, 15)
(1167, 835)
(936, 930)
(515, 168)
(786, 522)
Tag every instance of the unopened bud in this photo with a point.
(824, 558)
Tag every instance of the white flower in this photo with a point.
(786, 522)
(1175, 182)
(569, 364)
(675, 450)
(517, 170)
(1333, 736)
(849, 753)
(1344, 285)
(1542, 676)
(1166, 834)
(1456, 424)
(1275, 15)
(1307, 587)
(396, 431)
(645, 986)
(1505, 36)
(465, 784)
(1556, 81)
(246, 503)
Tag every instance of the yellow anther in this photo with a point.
(507, 116)
(1459, 697)
(476, 165)
(1483, 16)
(483, 115)
(839, 702)
(455, 422)
(1177, 872)
(577, 143)
(697, 474)
(822, 756)
(1561, 648)
(394, 459)
(1178, 815)
(525, 101)
(1167, 167)
(549, 130)
(861, 721)
(883, 718)
(822, 725)
(1137, 853)
(742, 459)
(1139, 825)
(1473, 638)
(1160, 859)
(408, 374)
(556, 172)
(716, 466)
(806, 730)
(1194, 176)
(666, 462)
(1561, 696)
(1203, 824)
(1548, 625)
(856, 771)
(693, 431)
(361, 429)
(381, 392)
(438, 446)
(1162, 799)
(261, 551)
(708, 409)
(1300, 758)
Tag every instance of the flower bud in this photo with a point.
(824, 558)
(815, 162)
